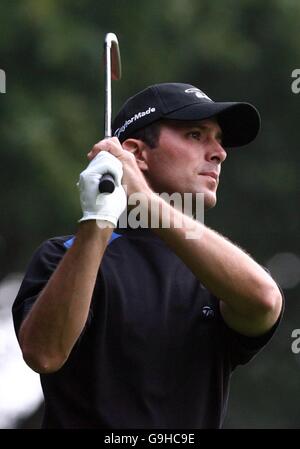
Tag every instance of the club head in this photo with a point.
(111, 44)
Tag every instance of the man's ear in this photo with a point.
(139, 149)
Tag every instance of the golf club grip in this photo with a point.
(107, 183)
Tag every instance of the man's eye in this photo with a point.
(195, 134)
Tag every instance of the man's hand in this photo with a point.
(102, 207)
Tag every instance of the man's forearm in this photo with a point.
(59, 315)
(223, 268)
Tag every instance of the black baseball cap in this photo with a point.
(240, 122)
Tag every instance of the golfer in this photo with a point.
(141, 327)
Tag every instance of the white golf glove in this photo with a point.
(106, 208)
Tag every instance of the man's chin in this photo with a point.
(210, 200)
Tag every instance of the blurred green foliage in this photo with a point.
(52, 114)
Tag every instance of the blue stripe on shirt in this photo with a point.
(69, 243)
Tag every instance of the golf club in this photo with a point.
(113, 71)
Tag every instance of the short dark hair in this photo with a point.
(149, 134)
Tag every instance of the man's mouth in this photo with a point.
(212, 174)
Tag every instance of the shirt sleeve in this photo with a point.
(241, 348)
(43, 263)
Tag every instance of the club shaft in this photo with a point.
(112, 70)
(108, 107)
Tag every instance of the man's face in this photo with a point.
(187, 158)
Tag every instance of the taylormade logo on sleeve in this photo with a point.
(135, 117)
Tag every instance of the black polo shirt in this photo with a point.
(155, 351)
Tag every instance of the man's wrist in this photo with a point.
(89, 230)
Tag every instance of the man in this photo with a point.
(141, 328)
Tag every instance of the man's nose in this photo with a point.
(215, 151)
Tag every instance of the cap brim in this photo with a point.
(240, 122)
